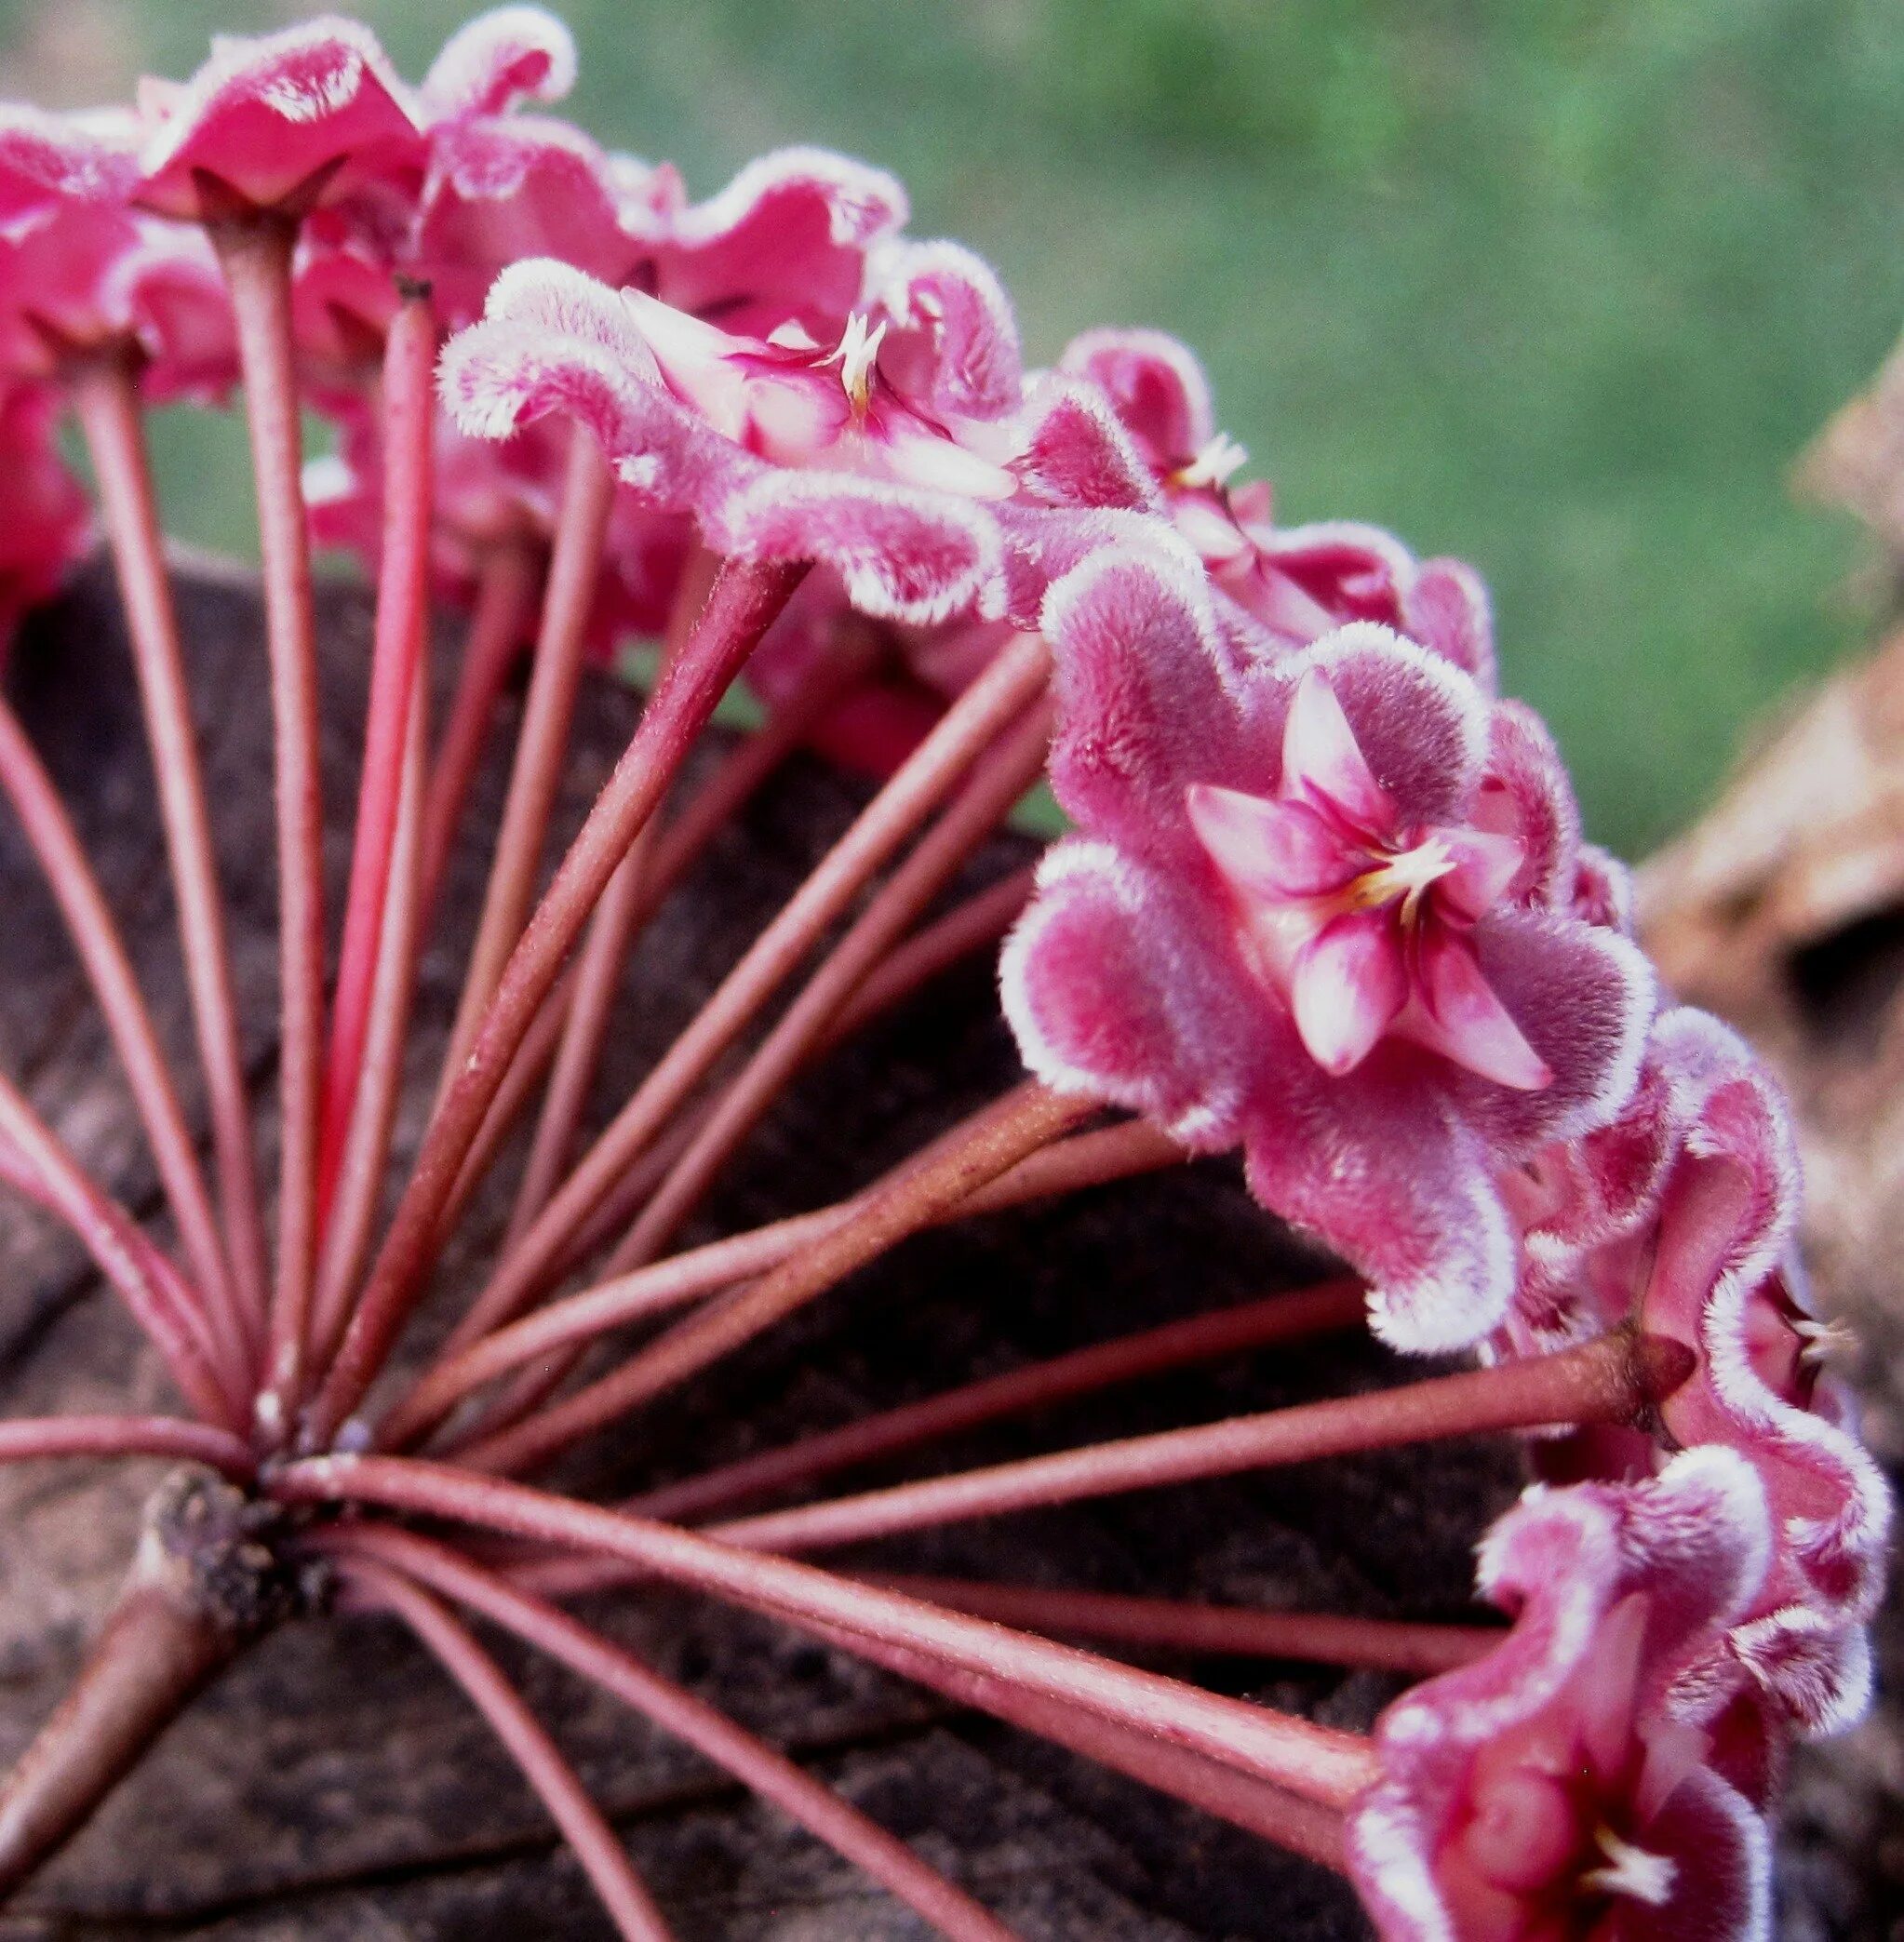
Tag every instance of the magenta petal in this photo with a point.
(1525, 794)
(786, 240)
(1347, 988)
(1116, 987)
(922, 558)
(1484, 867)
(1420, 723)
(43, 507)
(953, 346)
(1584, 998)
(502, 191)
(268, 117)
(1075, 452)
(1145, 707)
(1445, 607)
(1321, 757)
(1462, 1019)
(504, 56)
(1374, 1166)
(49, 161)
(1269, 848)
(1155, 385)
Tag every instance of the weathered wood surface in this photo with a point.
(334, 1787)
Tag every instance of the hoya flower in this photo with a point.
(501, 184)
(488, 186)
(905, 411)
(42, 508)
(279, 122)
(1712, 1264)
(1564, 1785)
(82, 272)
(785, 243)
(1312, 911)
(1298, 581)
(866, 455)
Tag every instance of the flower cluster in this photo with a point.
(1329, 901)
(1326, 901)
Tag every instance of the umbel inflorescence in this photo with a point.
(1326, 901)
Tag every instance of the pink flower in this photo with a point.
(906, 412)
(503, 185)
(785, 242)
(42, 508)
(861, 455)
(1707, 1258)
(1361, 921)
(1314, 909)
(280, 122)
(488, 186)
(1298, 581)
(82, 272)
(1564, 1785)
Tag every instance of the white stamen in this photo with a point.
(1632, 1872)
(1821, 1342)
(1214, 465)
(858, 352)
(1403, 877)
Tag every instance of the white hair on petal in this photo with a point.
(864, 203)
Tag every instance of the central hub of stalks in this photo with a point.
(213, 1574)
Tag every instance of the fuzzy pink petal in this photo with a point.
(785, 240)
(1420, 724)
(551, 339)
(1462, 1017)
(1722, 1886)
(1352, 572)
(48, 161)
(919, 557)
(507, 55)
(1444, 606)
(1815, 1665)
(316, 108)
(1117, 988)
(1145, 705)
(1582, 999)
(1073, 453)
(1526, 793)
(1155, 385)
(1603, 890)
(1374, 1166)
(953, 345)
(1347, 986)
(499, 191)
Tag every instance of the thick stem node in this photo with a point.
(205, 1581)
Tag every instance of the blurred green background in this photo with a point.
(1560, 287)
